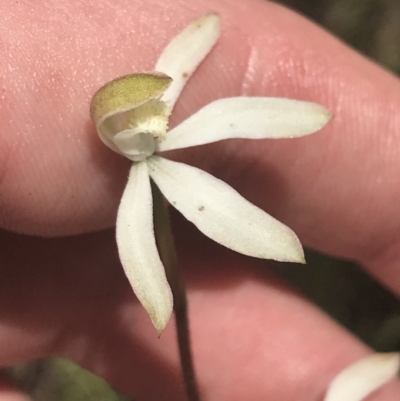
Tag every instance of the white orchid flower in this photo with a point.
(363, 377)
(131, 115)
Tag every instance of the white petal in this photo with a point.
(222, 214)
(363, 377)
(247, 117)
(137, 247)
(186, 51)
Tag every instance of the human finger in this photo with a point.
(335, 188)
(252, 335)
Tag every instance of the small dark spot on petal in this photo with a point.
(185, 75)
(201, 208)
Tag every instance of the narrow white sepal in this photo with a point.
(222, 214)
(137, 247)
(247, 117)
(185, 52)
(363, 377)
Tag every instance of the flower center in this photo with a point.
(145, 125)
(135, 146)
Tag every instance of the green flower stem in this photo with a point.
(166, 247)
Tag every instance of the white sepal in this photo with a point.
(222, 214)
(185, 52)
(137, 247)
(363, 377)
(247, 117)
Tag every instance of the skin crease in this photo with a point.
(252, 336)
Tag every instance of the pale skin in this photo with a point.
(338, 189)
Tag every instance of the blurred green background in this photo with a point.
(341, 288)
